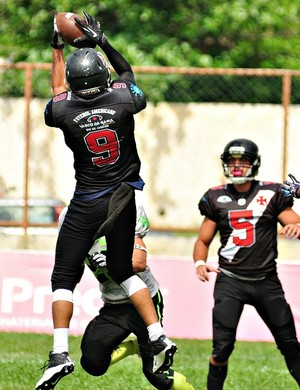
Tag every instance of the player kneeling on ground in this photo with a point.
(103, 340)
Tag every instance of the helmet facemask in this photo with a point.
(242, 149)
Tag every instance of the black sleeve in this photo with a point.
(48, 115)
(118, 62)
(282, 202)
(207, 207)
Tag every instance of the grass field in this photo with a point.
(253, 366)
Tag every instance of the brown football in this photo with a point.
(68, 29)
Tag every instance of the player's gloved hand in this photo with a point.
(57, 42)
(98, 260)
(91, 29)
(290, 188)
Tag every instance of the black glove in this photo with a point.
(91, 29)
(290, 188)
(57, 42)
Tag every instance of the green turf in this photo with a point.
(253, 366)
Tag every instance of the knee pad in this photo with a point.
(227, 313)
(223, 355)
(68, 283)
(279, 312)
(92, 367)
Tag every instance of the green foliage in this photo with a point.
(197, 33)
(252, 366)
(235, 33)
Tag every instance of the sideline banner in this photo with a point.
(25, 297)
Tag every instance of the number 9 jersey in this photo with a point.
(247, 223)
(99, 129)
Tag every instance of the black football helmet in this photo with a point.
(241, 148)
(87, 72)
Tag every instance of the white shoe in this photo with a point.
(58, 366)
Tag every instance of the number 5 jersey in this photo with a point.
(247, 223)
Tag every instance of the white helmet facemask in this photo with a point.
(244, 149)
(238, 179)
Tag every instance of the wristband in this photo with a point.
(199, 262)
(142, 248)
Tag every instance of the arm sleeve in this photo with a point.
(282, 201)
(206, 206)
(48, 115)
(118, 62)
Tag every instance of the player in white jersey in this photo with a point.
(246, 213)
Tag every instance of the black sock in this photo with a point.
(216, 377)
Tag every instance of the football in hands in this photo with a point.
(68, 29)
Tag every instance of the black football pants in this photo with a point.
(106, 331)
(76, 238)
(267, 297)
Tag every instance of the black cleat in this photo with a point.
(58, 366)
(163, 350)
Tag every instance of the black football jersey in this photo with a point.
(247, 224)
(99, 130)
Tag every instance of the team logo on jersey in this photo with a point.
(135, 90)
(261, 200)
(96, 122)
(94, 118)
(224, 199)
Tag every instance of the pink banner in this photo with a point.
(25, 301)
(26, 294)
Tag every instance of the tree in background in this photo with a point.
(186, 33)
(205, 33)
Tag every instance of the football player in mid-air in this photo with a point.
(245, 212)
(102, 343)
(103, 340)
(96, 117)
